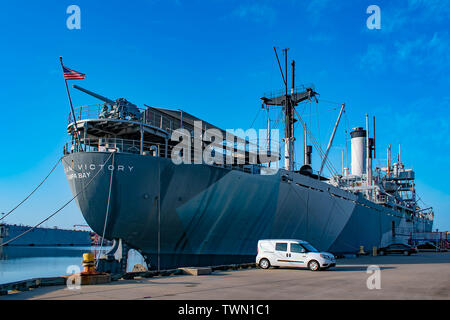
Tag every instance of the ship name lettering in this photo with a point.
(93, 167)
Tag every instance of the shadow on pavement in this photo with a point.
(354, 268)
(419, 258)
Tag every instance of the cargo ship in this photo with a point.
(123, 164)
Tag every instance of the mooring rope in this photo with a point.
(53, 214)
(54, 167)
(107, 209)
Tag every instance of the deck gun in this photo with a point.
(120, 109)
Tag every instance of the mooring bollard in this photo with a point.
(361, 250)
(374, 251)
(88, 263)
(89, 275)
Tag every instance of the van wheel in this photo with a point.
(264, 263)
(313, 265)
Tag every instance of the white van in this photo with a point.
(292, 253)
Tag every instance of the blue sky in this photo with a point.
(214, 59)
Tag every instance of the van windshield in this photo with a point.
(309, 247)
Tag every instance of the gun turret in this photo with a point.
(120, 109)
(95, 95)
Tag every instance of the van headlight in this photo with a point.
(325, 256)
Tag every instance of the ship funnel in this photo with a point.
(358, 136)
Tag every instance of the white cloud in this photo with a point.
(315, 9)
(393, 19)
(431, 51)
(320, 38)
(414, 15)
(438, 10)
(256, 12)
(374, 58)
(316, 6)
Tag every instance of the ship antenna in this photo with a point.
(287, 160)
(292, 106)
(289, 120)
(279, 65)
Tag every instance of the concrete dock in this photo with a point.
(421, 276)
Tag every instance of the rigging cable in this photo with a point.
(7, 214)
(321, 153)
(347, 131)
(53, 214)
(257, 114)
(328, 101)
(107, 206)
(318, 126)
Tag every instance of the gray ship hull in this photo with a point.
(194, 215)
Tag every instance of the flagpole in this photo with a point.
(71, 106)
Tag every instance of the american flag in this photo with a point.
(72, 74)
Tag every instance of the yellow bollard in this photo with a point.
(361, 250)
(89, 256)
(88, 263)
(374, 251)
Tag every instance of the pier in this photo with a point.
(422, 276)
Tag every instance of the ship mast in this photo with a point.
(288, 119)
(288, 102)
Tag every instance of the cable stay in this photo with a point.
(57, 211)
(107, 206)
(316, 145)
(26, 198)
(331, 139)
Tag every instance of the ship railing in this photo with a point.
(427, 214)
(281, 92)
(401, 231)
(94, 111)
(148, 148)
(117, 145)
(86, 112)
